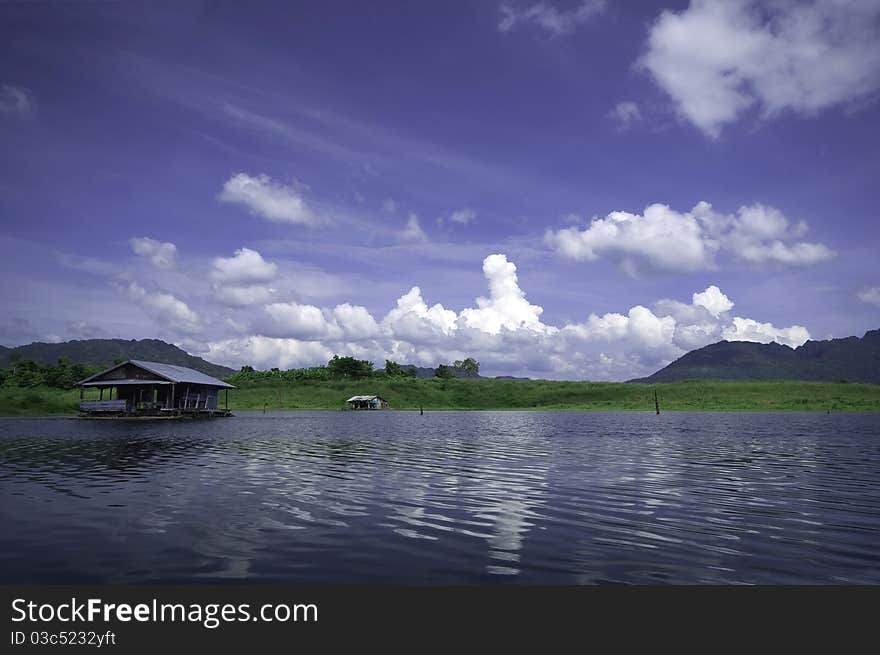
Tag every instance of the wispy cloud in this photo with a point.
(87, 264)
(412, 231)
(84, 330)
(463, 216)
(15, 100)
(292, 119)
(625, 114)
(547, 17)
(294, 134)
(871, 295)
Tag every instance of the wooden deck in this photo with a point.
(154, 417)
(119, 410)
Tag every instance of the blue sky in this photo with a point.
(560, 189)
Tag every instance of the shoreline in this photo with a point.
(485, 394)
(590, 410)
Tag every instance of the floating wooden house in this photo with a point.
(367, 402)
(137, 389)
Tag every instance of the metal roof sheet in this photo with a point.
(171, 372)
(119, 383)
(180, 374)
(363, 398)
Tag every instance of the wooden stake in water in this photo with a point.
(656, 403)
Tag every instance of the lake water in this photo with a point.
(448, 497)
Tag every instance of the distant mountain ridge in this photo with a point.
(103, 352)
(849, 359)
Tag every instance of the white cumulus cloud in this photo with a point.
(165, 308)
(413, 320)
(502, 329)
(717, 59)
(355, 322)
(312, 323)
(713, 300)
(673, 328)
(161, 254)
(506, 307)
(640, 327)
(660, 237)
(298, 321)
(747, 329)
(267, 352)
(243, 296)
(760, 234)
(246, 266)
(664, 239)
(271, 200)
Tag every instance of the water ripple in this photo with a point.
(449, 497)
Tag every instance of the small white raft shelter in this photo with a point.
(367, 402)
(138, 389)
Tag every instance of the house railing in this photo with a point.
(103, 405)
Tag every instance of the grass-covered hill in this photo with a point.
(838, 360)
(103, 352)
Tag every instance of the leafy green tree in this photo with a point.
(392, 369)
(82, 371)
(469, 366)
(349, 367)
(27, 374)
(60, 374)
(443, 372)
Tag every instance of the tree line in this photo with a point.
(350, 368)
(60, 374)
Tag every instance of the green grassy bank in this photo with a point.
(436, 394)
(37, 401)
